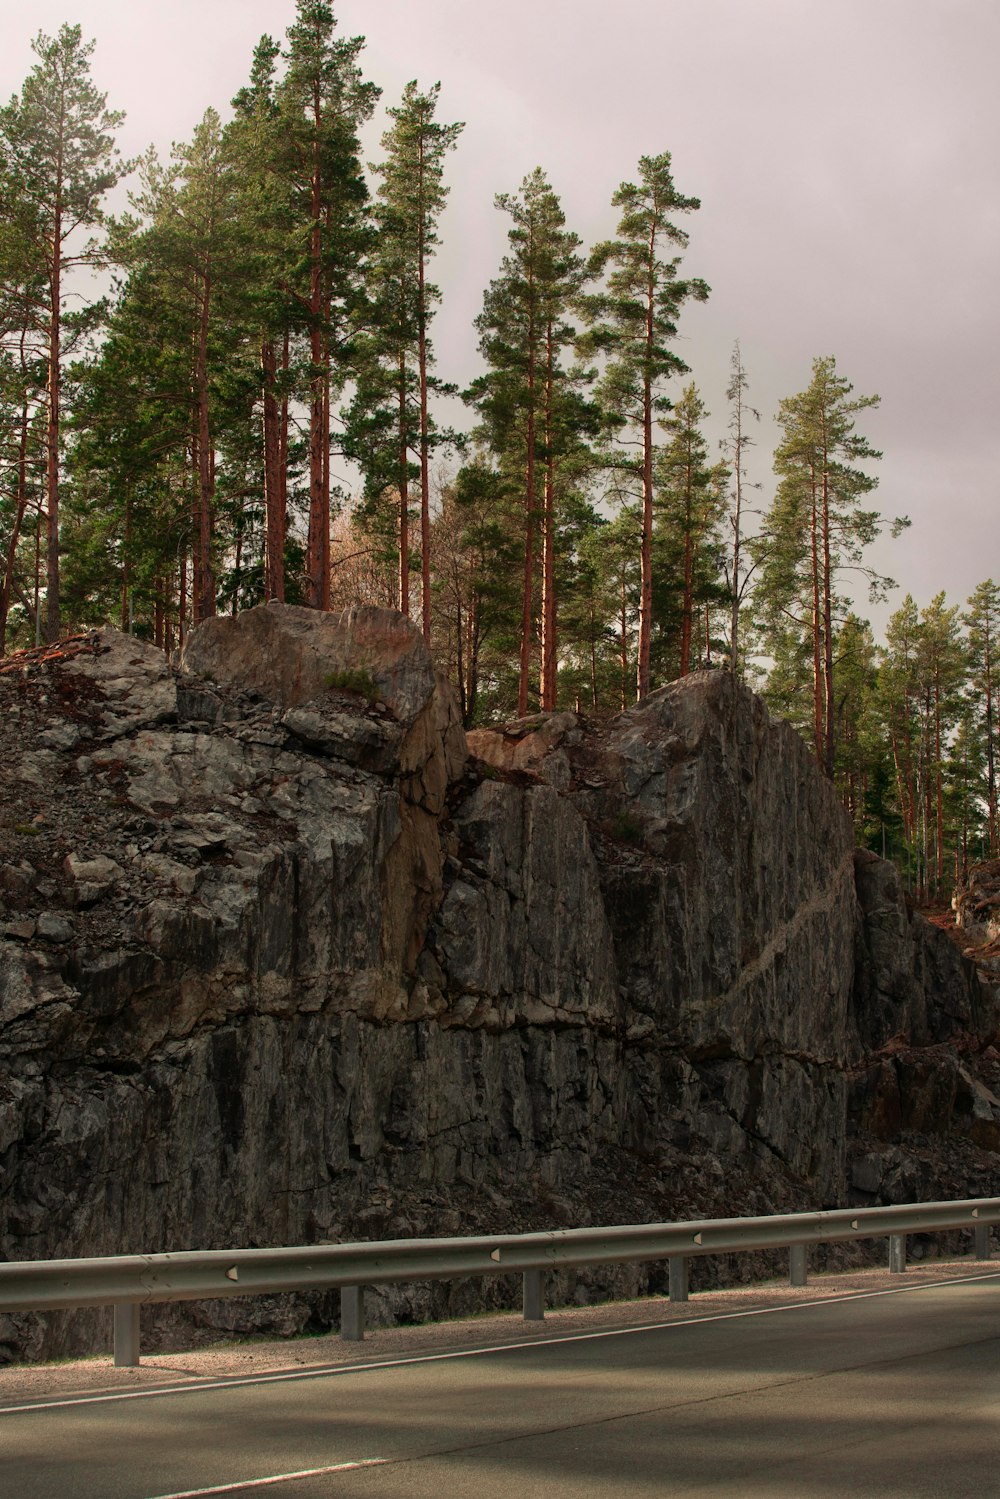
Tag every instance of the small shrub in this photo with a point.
(626, 829)
(353, 679)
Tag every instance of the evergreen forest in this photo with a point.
(182, 382)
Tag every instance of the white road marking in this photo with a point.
(330, 1371)
(263, 1483)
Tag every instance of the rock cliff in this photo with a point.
(283, 959)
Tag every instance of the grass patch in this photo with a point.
(355, 679)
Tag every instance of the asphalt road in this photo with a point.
(892, 1393)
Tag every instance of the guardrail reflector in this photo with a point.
(495, 1255)
(232, 1273)
(697, 1238)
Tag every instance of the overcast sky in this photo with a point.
(846, 157)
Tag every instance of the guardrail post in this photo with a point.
(352, 1313)
(126, 1334)
(798, 1270)
(532, 1298)
(897, 1253)
(677, 1277)
(981, 1241)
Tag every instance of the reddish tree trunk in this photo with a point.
(52, 620)
(646, 543)
(404, 494)
(991, 774)
(529, 515)
(274, 555)
(126, 555)
(425, 504)
(549, 627)
(623, 646)
(21, 505)
(938, 782)
(204, 601)
(829, 742)
(182, 601)
(319, 516)
(818, 737)
(687, 607)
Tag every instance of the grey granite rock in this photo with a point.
(327, 981)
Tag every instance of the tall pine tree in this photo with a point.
(57, 138)
(634, 322)
(323, 101)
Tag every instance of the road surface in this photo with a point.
(894, 1392)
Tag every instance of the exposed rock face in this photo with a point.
(977, 907)
(277, 964)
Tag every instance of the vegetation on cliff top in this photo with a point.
(168, 450)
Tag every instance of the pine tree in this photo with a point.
(412, 196)
(815, 529)
(860, 735)
(942, 671)
(734, 447)
(256, 142)
(475, 539)
(191, 258)
(323, 101)
(23, 367)
(58, 143)
(530, 402)
(633, 324)
(982, 621)
(689, 512)
(898, 699)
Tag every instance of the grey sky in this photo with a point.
(846, 157)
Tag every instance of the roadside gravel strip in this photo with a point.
(23, 1384)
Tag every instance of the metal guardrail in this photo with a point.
(130, 1281)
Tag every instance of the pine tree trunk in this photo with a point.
(646, 543)
(21, 505)
(182, 602)
(687, 610)
(204, 601)
(274, 557)
(460, 657)
(938, 785)
(549, 647)
(529, 518)
(593, 664)
(818, 735)
(991, 774)
(52, 611)
(403, 487)
(902, 788)
(283, 423)
(126, 555)
(425, 487)
(734, 628)
(623, 646)
(829, 748)
(319, 520)
(324, 540)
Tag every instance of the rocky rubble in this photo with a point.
(281, 961)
